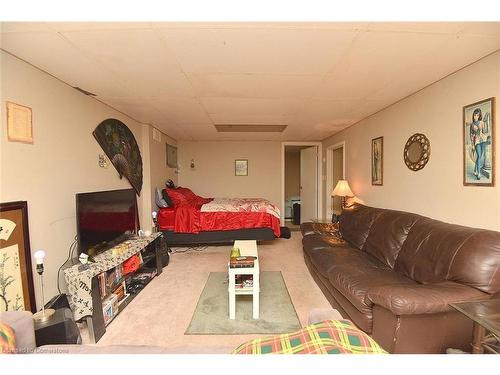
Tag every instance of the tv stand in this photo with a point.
(85, 288)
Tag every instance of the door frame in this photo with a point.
(319, 172)
(329, 172)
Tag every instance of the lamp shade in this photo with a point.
(342, 189)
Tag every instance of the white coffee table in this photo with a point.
(247, 248)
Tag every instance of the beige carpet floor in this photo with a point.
(160, 314)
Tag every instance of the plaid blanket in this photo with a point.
(327, 337)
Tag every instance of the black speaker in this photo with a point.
(58, 302)
(59, 329)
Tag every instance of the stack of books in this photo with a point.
(241, 262)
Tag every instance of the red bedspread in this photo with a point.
(190, 218)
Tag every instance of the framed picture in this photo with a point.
(378, 161)
(241, 167)
(479, 143)
(16, 277)
(19, 123)
(171, 156)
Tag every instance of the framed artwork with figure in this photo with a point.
(378, 161)
(479, 143)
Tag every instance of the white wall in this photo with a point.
(62, 161)
(437, 190)
(160, 172)
(214, 172)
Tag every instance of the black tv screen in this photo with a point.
(104, 219)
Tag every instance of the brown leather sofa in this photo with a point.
(397, 272)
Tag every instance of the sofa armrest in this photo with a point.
(24, 329)
(422, 298)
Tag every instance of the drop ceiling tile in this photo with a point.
(375, 60)
(129, 52)
(248, 106)
(417, 27)
(150, 84)
(53, 54)
(19, 27)
(86, 26)
(284, 51)
(352, 26)
(250, 118)
(181, 110)
(366, 108)
(255, 85)
(454, 55)
(137, 109)
(481, 28)
(322, 111)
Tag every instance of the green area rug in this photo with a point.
(211, 316)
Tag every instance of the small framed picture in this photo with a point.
(171, 156)
(19, 123)
(241, 167)
(378, 161)
(479, 143)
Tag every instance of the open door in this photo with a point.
(308, 184)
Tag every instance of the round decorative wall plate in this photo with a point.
(417, 151)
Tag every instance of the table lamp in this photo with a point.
(45, 314)
(342, 190)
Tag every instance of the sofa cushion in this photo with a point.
(318, 241)
(435, 252)
(387, 234)
(355, 279)
(355, 223)
(326, 258)
(327, 337)
(7, 339)
(422, 299)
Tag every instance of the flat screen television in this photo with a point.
(104, 219)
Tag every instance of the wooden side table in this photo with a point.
(486, 327)
(247, 248)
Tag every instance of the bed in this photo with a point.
(191, 219)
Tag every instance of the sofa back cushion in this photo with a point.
(435, 251)
(387, 234)
(355, 223)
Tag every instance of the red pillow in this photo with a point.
(177, 197)
(184, 196)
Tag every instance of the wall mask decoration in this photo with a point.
(479, 143)
(417, 152)
(119, 144)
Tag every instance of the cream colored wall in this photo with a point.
(214, 176)
(292, 174)
(160, 172)
(338, 162)
(62, 161)
(437, 190)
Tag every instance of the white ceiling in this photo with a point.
(183, 78)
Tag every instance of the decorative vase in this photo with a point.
(235, 252)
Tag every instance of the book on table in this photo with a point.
(242, 262)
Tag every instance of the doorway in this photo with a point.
(335, 171)
(300, 183)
